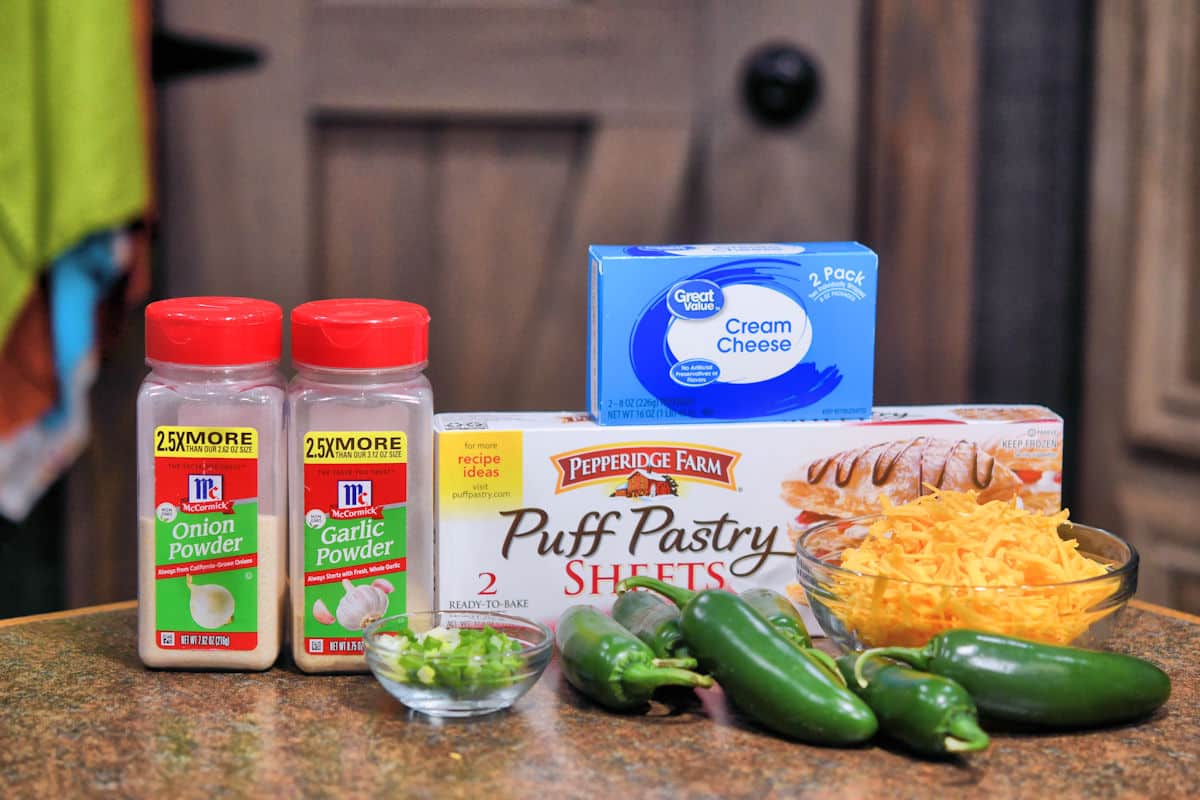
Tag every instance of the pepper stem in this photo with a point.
(964, 734)
(676, 594)
(910, 655)
(648, 676)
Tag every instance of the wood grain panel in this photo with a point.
(374, 210)
(1164, 402)
(919, 199)
(1192, 366)
(1110, 234)
(1142, 267)
(780, 184)
(243, 138)
(542, 59)
(1160, 508)
(501, 193)
(630, 190)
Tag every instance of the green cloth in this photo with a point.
(72, 153)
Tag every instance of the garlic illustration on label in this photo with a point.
(211, 605)
(361, 605)
(322, 613)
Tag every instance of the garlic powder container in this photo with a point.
(361, 474)
(211, 485)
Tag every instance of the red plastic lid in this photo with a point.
(213, 330)
(360, 333)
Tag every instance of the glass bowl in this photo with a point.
(857, 611)
(454, 687)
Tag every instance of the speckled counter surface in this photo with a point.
(81, 717)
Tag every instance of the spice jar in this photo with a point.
(361, 463)
(211, 485)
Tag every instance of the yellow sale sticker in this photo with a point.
(340, 447)
(179, 441)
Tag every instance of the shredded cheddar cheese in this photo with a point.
(932, 555)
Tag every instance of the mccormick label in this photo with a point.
(706, 333)
(540, 511)
(355, 534)
(206, 538)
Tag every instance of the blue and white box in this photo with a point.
(731, 332)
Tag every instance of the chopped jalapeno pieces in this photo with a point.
(454, 657)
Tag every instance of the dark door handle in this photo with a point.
(780, 84)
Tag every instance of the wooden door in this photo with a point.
(463, 155)
(1141, 464)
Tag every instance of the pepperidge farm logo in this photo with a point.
(659, 466)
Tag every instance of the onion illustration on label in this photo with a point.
(361, 605)
(211, 605)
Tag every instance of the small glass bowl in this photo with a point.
(476, 697)
(859, 611)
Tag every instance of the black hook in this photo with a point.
(173, 56)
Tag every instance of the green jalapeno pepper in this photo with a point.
(762, 671)
(928, 713)
(780, 612)
(611, 665)
(653, 620)
(1022, 681)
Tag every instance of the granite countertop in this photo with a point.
(82, 717)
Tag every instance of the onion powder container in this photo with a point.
(361, 474)
(211, 485)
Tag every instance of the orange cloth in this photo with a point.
(30, 386)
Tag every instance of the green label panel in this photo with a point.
(355, 537)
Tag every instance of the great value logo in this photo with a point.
(695, 299)
(647, 468)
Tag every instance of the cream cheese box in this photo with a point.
(540, 511)
(712, 333)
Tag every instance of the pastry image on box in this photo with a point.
(851, 483)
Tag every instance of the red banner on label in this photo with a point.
(333, 646)
(355, 572)
(203, 567)
(206, 507)
(373, 512)
(192, 640)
